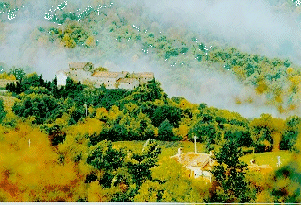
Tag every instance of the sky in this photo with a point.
(252, 26)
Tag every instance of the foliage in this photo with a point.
(30, 172)
(2, 111)
(78, 162)
(289, 137)
(266, 132)
(165, 131)
(40, 106)
(229, 174)
(172, 185)
(287, 180)
(17, 72)
(122, 168)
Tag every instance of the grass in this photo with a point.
(268, 158)
(171, 148)
(8, 102)
(167, 148)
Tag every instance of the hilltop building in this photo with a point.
(85, 73)
(127, 83)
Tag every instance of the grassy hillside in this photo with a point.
(269, 158)
(168, 148)
(171, 148)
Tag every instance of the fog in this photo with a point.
(252, 26)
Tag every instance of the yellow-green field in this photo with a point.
(268, 158)
(8, 102)
(171, 148)
(167, 148)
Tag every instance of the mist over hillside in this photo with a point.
(251, 26)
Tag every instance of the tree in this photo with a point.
(68, 41)
(30, 170)
(288, 140)
(170, 183)
(147, 92)
(71, 89)
(229, 175)
(239, 133)
(2, 111)
(17, 72)
(122, 171)
(31, 80)
(141, 163)
(165, 131)
(104, 156)
(169, 112)
(40, 106)
(205, 131)
(266, 132)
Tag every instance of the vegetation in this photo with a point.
(108, 21)
(231, 185)
(77, 143)
(91, 152)
(275, 78)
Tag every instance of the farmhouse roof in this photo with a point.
(127, 80)
(191, 159)
(106, 74)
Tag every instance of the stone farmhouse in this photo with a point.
(85, 73)
(197, 164)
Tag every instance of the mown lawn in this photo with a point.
(8, 102)
(167, 148)
(171, 148)
(268, 158)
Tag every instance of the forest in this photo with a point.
(62, 145)
(78, 143)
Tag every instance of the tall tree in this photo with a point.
(229, 175)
